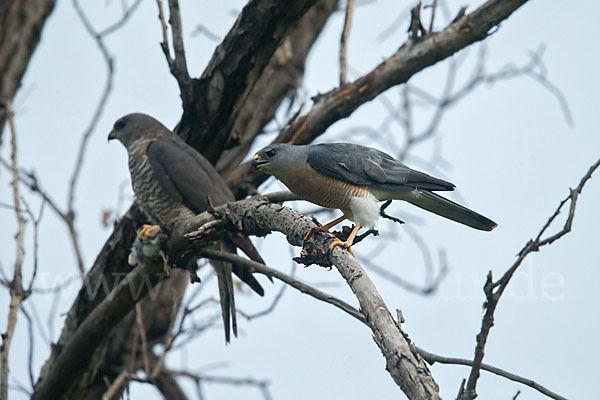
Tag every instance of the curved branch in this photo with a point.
(259, 217)
(494, 290)
(432, 358)
(78, 351)
(254, 266)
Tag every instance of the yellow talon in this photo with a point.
(348, 243)
(312, 231)
(338, 242)
(324, 228)
(147, 231)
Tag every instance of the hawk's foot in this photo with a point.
(147, 232)
(347, 245)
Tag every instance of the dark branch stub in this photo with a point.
(416, 28)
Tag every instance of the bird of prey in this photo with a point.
(171, 182)
(354, 179)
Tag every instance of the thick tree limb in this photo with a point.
(21, 25)
(253, 216)
(234, 69)
(279, 80)
(89, 336)
(108, 269)
(258, 217)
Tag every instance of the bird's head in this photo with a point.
(277, 159)
(132, 127)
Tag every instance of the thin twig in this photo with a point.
(296, 284)
(277, 297)
(493, 290)
(36, 226)
(127, 13)
(77, 168)
(344, 41)
(177, 63)
(116, 386)
(30, 338)
(432, 358)
(262, 385)
(17, 294)
(433, 10)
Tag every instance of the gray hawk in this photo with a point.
(354, 179)
(171, 182)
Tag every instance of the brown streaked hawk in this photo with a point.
(171, 182)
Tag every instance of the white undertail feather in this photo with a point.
(365, 210)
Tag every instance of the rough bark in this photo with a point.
(259, 217)
(21, 24)
(280, 79)
(236, 66)
(252, 217)
(91, 335)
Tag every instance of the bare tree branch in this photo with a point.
(296, 284)
(432, 358)
(74, 357)
(280, 80)
(262, 385)
(344, 40)
(494, 290)
(17, 294)
(177, 64)
(259, 218)
(22, 24)
(234, 69)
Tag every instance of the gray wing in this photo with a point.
(362, 165)
(185, 175)
(189, 178)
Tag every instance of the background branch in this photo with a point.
(494, 290)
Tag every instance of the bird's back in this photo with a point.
(156, 203)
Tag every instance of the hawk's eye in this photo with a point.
(270, 152)
(120, 124)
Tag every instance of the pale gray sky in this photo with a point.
(509, 151)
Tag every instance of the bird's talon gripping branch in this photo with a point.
(314, 230)
(147, 232)
(324, 228)
(346, 245)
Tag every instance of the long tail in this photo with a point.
(225, 281)
(448, 209)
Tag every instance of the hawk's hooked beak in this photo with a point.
(257, 162)
(111, 135)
